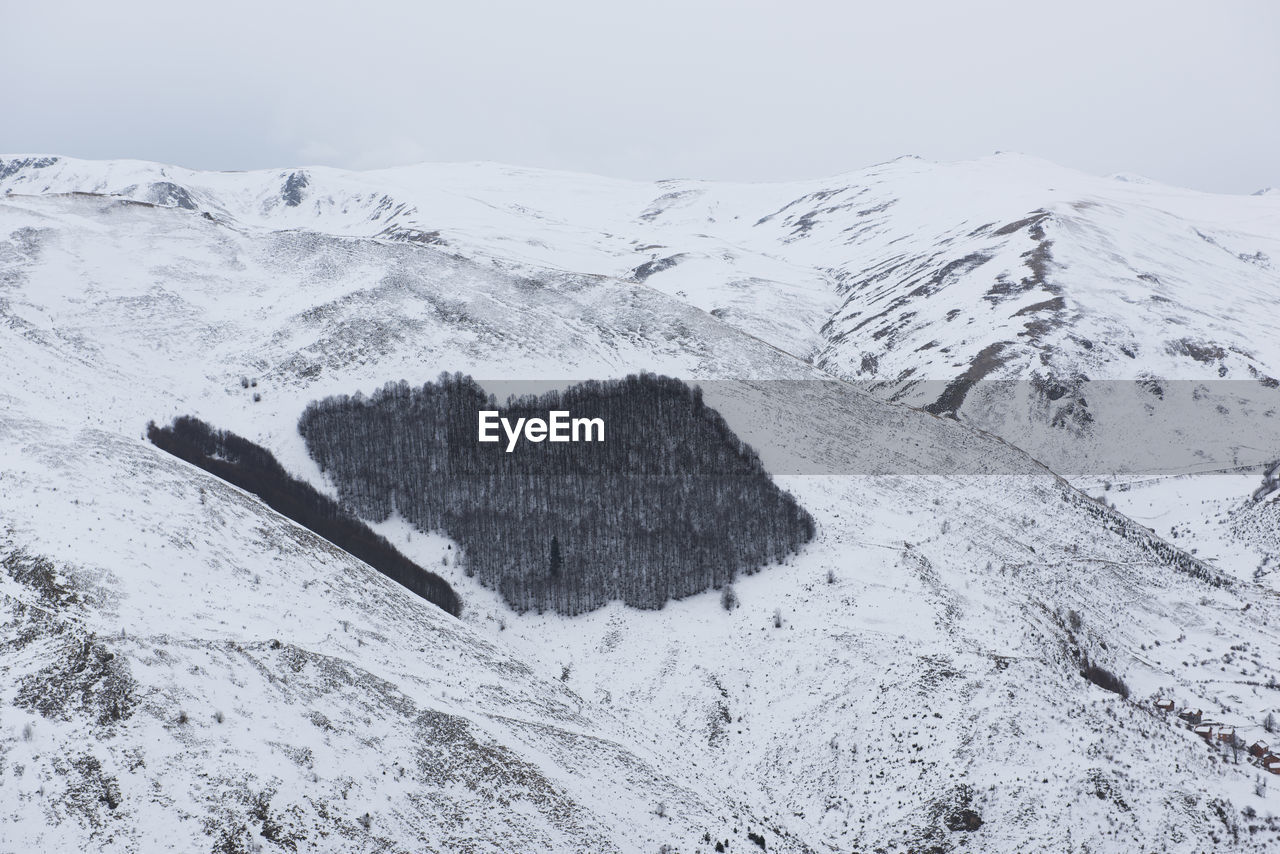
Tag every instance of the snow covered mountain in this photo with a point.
(1066, 313)
(186, 669)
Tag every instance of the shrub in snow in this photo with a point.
(1104, 678)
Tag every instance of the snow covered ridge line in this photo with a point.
(254, 469)
(1146, 539)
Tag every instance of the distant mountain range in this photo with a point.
(995, 290)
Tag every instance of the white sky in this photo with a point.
(1183, 92)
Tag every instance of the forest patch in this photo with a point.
(672, 504)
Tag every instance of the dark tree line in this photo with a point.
(669, 505)
(254, 469)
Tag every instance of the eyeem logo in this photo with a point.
(557, 427)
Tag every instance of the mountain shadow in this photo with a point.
(669, 504)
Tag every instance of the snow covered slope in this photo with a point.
(926, 671)
(248, 685)
(1110, 327)
(1063, 312)
(185, 670)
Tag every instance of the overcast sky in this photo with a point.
(1186, 93)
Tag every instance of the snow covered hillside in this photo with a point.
(185, 670)
(1063, 312)
(912, 680)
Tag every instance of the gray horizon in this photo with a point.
(738, 91)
